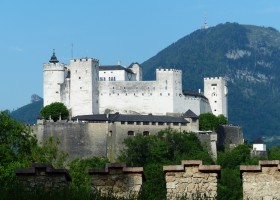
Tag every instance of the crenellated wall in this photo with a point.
(191, 180)
(261, 181)
(43, 176)
(117, 179)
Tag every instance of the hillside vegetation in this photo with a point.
(248, 56)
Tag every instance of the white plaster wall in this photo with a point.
(133, 97)
(137, 70)
(84, 86)
(54, 74)
(259, 147)
(65, 93)
(215, 90)
(120, 75)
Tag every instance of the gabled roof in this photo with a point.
(190, 114)
(194, 94)
(114, 67)
(131, 118)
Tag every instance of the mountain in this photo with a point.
(29, 113)
(248, 56)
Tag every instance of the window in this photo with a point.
(80, 87)
(130, 133)
(130, 122)
(110, 133)
(175, 124)
(79, 77)
(122, 122)
(160, 94)
(153, 123)
(138, 123)
(146, 123)
(167, 123)
(160, 123)
(215, 101)
(146, 133)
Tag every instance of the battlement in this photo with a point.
(169, 70)
(54, 66)
(84, 60)
(214, 78)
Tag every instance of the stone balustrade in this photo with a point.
(261, 181)
(117, 179)
(191, 180)
(43, 176)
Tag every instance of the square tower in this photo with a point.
(215, 90)
(84, 95)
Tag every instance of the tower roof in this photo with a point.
(53, 58)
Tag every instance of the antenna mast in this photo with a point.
(72, 50)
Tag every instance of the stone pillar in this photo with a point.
(261, 181)
(191, 180)
(117, 179)
(43, 176)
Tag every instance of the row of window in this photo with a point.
(110, 78)
(153, 123)
(180, 95)
(132, 133)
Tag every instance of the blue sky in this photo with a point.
(109, 30)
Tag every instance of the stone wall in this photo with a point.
(229, 135)
(117, 179)
(261, 181)
(43, 176)
(191, 180)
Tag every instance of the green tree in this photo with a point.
(222, 119)
(209, 122)
(78, 169)
(164, 148)
(48, 152)
(16, 144)
(55, 110)
(230, 185)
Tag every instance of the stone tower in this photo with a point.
(84, 92)
(215, 89)
(54, 76)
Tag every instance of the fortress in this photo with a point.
(87, 88)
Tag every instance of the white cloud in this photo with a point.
(16, 49)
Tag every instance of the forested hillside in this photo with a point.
(248, 56)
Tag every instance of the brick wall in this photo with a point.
(43, 176)
(117, 179)
(191, 180)
(261, 181)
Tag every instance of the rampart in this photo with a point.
(261, 181)
(191, 180)
(43, 176)
(117, 179)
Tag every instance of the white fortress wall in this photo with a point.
(54, 75)
(137, 70)
(133, 97)
(215, 89)
(84, 86)
(116, 75)
(65, 93)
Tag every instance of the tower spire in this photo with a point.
(53, 58)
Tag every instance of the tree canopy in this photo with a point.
(55, 110)
(209, 122)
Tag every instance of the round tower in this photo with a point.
(54, 76)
